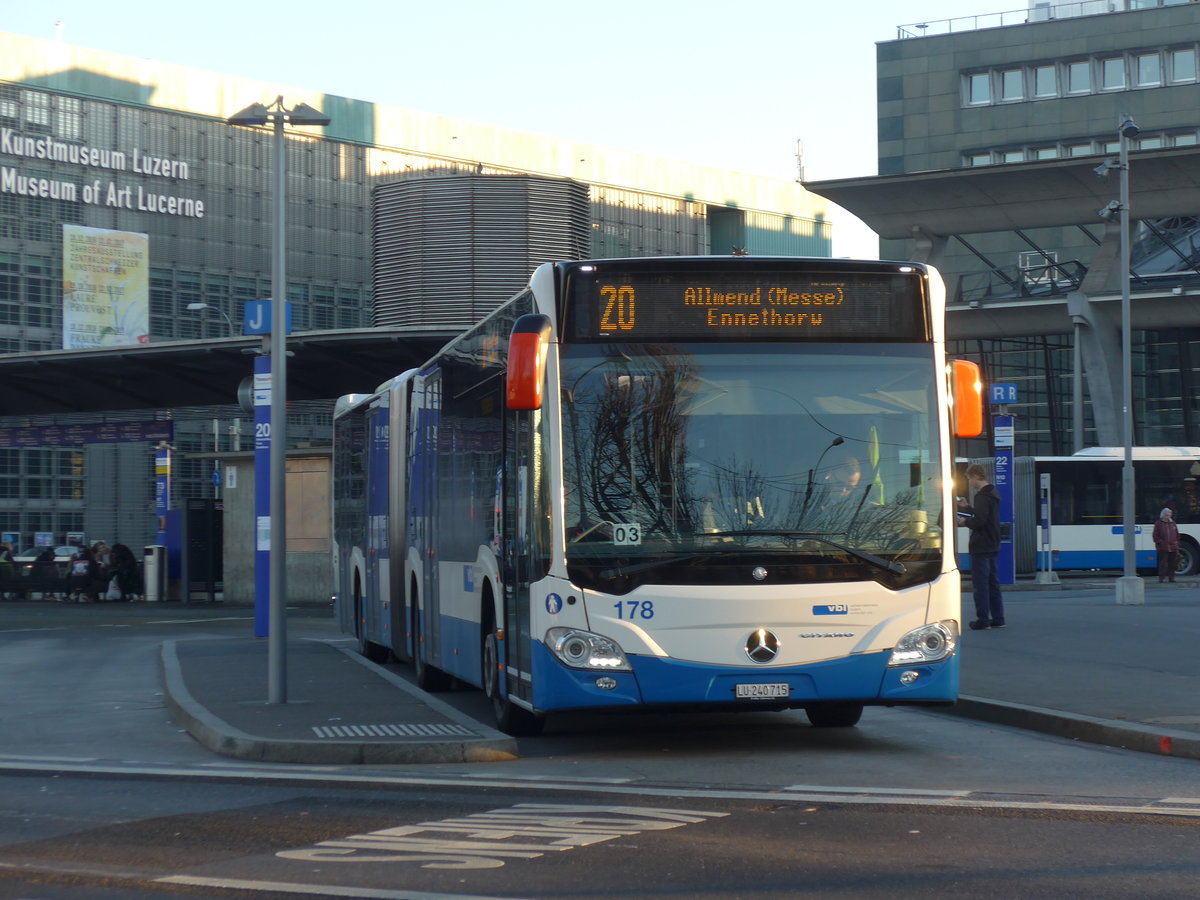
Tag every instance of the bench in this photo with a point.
(23, 585)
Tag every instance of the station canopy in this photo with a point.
(321, 365)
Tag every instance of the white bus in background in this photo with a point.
(1086, 517)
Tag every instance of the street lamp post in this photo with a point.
(277, 114)
(224, 315)
(1130, 589)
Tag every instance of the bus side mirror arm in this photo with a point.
(527, 347)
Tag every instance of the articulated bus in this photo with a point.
(1085, 509)
(685, 483)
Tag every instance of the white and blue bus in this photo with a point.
(679, 483)
(1086, 529)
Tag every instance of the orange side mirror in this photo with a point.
(966, 393)
(527, 346)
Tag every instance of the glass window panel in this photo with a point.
(1012, 156)
(979, 88)
(1012, 84)
(1149, 70)
(979, 159)
(1079, 150)
(1183, 65)
(1045, 84)
(1150, 143)
(1045, 153)
(1184, 140)
(1112, 73)
(1079, 77)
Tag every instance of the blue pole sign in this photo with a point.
(262, 495)
(999, 394)
(1002, 439)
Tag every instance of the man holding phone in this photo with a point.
(983, 518)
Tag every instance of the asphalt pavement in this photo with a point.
(1071, 662)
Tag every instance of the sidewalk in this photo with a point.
(1074, 663)
(1071, 663)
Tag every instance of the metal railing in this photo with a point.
(1039, 12)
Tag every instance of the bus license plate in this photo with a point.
(761, 691)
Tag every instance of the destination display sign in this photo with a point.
(744, 302)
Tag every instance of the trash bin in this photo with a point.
(154, 573)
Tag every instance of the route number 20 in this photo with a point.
(620, 308)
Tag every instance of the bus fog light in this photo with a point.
(606, 683)
(909, 677)
(585, 650)
(926, 644)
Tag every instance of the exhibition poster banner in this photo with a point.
(106, 288)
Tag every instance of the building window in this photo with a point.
(1011, 85)
(1148, 70)
(1045, 82)
(1112, 74)
(1079, 150)
(1184, 140)
(1079, 77)
(1045, 153)
(979, 159)
(1012, 156)
(979, 88)
(1150, 143)
(1183, 65)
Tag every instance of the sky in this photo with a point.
(730, 85)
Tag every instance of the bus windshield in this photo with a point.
(695, 463)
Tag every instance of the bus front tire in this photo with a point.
(510, 718)
(834, 715)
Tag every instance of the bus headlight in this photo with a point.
(926, 644)
(584, 650)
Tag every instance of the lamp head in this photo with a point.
(1128, 128)
(1110, 211)
(303, 114)
(254, 114)
(195, 306)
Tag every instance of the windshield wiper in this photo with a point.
(618, 571)
(885, 564)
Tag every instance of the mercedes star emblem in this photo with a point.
(762, 646)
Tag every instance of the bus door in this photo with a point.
(426, 497)
(517, 556)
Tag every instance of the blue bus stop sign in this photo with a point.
(1002, 393)
(256, 317)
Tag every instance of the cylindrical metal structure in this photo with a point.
(451, 248)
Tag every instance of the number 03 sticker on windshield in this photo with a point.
(624, 533)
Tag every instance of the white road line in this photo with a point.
(318, 890)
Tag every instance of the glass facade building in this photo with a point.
(112, 143)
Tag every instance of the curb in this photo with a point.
(1125, 735)
(220, 737)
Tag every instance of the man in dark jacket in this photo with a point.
(983, 518)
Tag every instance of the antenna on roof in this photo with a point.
(58, 30)
(799, 160)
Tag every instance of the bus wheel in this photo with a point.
(1189, 559)
(834, 715)
(510, 719)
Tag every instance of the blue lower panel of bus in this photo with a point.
(1083, 559)
(671, 682)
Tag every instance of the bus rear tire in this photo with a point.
(510, 718)
(1189, 558)
(369, 650)
(834, 715)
